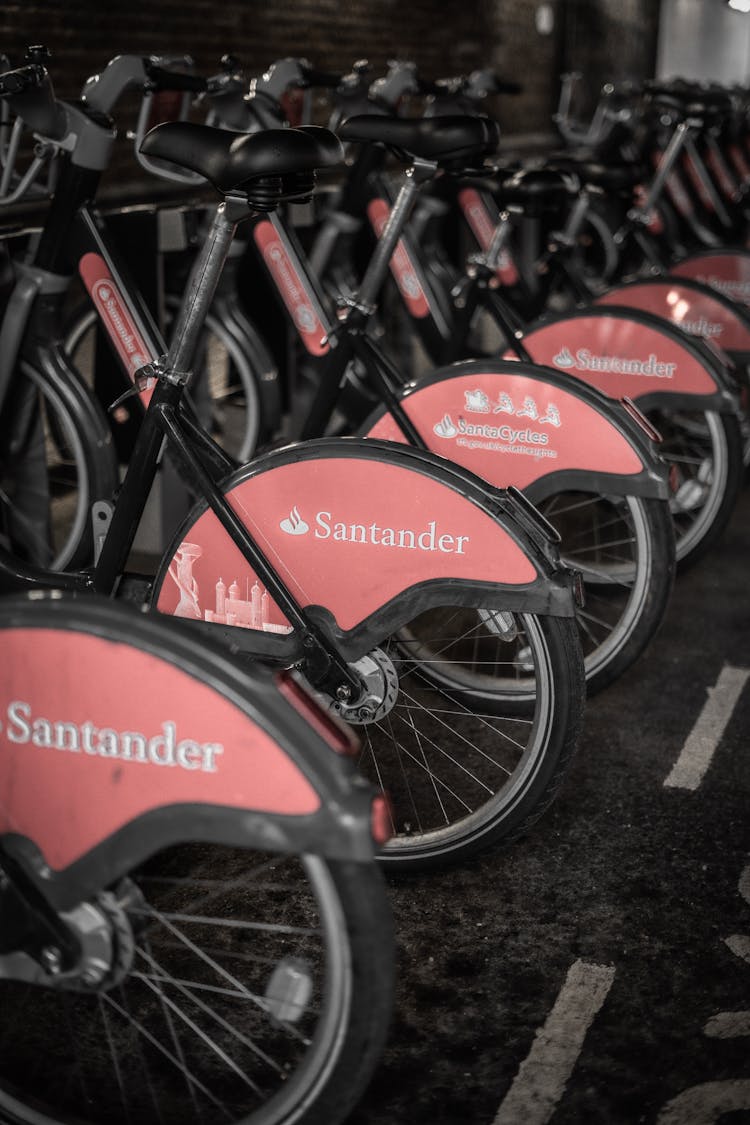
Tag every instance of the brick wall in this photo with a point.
(599, 36)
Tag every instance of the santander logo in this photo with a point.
(445, 428)
(586, 360)
(294, 524)
(326, 527)
(564, 358)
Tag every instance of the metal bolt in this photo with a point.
(51, 959)
(92, 976)
(343, 692)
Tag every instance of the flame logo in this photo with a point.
(564, 358)
(294, 524)
(445, 428)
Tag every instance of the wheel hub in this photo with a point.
(380, 681)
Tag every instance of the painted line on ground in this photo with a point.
(542, 1076)
(728, 1025)
(696, 755)
(706, 1104)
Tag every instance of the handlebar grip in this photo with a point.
(29, 92)
(161, 79)
(513, 88)
(326, 79)
(24, 78)
(428, 87)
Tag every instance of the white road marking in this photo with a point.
(728, 1025)
(541, 1078)
(706, 1104)
(695, 758)
(745, 884)
(740, 946)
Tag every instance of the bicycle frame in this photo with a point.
(205, 466)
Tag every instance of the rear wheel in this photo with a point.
(705, 451)
(56, 459)
(258, 990)
(484, 716)
(624, 548)
(225, 385)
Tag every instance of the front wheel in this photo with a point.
(255, 990)
(464, 764)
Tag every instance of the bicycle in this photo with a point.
(627, 556)
(298, 529)
(193, 923)
(443, 307)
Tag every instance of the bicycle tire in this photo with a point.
(231, 401)
(50, 476)
(705, 451)
(626, 555)
(327, 921)
(467, 769)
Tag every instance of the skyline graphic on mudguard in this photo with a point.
(95, 733)
(621, 357)
(346, 533)
(511, 429)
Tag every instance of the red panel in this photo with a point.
(345, 533)
(402, 268)
(483, 227)
(116, 320)
(510, 429)
(95, 733)
(698, 314)
(728, 273)
(618, 356)
(292, 288)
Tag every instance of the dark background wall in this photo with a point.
(600, 37)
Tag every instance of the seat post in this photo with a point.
(204, 278)
(420, 172)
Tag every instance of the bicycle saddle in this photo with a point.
(446, 139)
(536, 189)
(612, 177)
(239, 161)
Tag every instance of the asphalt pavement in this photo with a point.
(598, 971)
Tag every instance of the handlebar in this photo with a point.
(160, 78)
(29, 94)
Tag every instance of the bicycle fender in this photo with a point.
(727, 271)
(631, 354)
(121, 737)
(689, 305)
(370, 533)
(529, 426)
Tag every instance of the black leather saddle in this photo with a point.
(450, 140)
(268, 167)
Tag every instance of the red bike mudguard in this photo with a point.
(688, 306)
(528, 426)
(359, 528)
(727, 271)
(121, 737)
(630, 354)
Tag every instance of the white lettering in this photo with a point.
(405, 538)
(162, 749)
(18, 713)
